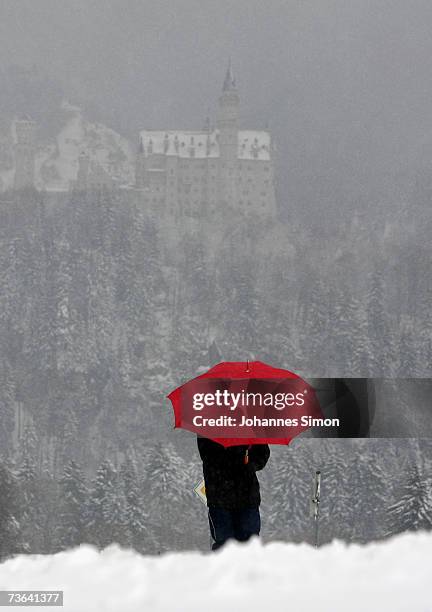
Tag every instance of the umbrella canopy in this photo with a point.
(236, 403)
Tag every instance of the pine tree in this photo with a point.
(70, 432)
(136, 513)
(413, 509)
(167, 491)
(378, 324)
(361, 352)
(30, 500)
(73, 498)
(344, 338)
(48, 491)
(368, 482)
(289, 514)
(336, 519)
(7, 401)
(10, 514)
(317, 319)
(105, 512)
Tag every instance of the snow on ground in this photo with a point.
(392, 575)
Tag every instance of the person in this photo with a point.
(232, 489)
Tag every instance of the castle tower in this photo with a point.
(171, 175)
(25, 130)
(228, 116)
(227, 124)
(140, 166)
(83, 170)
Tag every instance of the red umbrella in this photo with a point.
(236, 403)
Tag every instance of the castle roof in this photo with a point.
(229, 82)
(252, 144)
(24, 118)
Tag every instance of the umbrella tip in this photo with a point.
(247, 365)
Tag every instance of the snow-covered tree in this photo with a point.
(106, 509)
(413, 508)
(136, 508)
(71, 514)
(10, 513)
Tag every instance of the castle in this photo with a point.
(205, 171)
(183, 172)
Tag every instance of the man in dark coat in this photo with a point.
(232, 489)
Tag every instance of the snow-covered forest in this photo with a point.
(371, 489)
(106, 307)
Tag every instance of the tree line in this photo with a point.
(371, 489)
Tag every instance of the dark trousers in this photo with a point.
(239, 525)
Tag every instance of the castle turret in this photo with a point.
(83, 170)
(228, 117)
(228, 137)
(140, 166)
(171, 175)
(25, 130)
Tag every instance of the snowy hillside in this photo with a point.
(56, 164)
(386, 576)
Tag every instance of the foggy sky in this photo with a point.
(346, 85)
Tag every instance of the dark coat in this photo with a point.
(230, 482)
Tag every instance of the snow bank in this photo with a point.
(392, 575)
